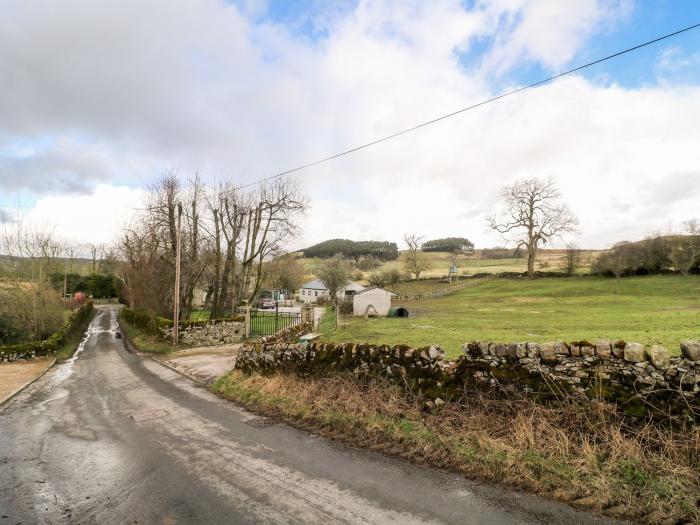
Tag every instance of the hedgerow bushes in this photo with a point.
(74, 325)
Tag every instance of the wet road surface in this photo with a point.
(111, 437)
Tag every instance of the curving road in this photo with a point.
(110, 437)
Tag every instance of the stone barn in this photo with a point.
(372, 301)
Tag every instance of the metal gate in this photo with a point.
(267, 323)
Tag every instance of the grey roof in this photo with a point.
(318, 284)
(353, 286)
(377, 288)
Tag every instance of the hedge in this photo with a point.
(152, 324)
(74, 325)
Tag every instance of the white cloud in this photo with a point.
(92, 218)
(547, 31)
(136, 88)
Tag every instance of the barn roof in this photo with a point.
(375, 290)
(318, 284)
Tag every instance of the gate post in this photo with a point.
(307, 314)
(246, 322)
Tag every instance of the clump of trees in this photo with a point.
(98, 285)
(368, 263)
(532, 215)
(655, 254)
(449, 244)
(382, 250)
(381, 279)
(227, 236)
(284, 272)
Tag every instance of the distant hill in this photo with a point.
(382, 250)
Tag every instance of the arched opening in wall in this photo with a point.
(398, 312)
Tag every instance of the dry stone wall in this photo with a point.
(641, 381)
(207, 334)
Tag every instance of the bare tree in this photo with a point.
(572, 258)
(532, 216)
(416, 262)
(686, 249)
(97, 252)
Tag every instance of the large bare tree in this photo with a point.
(147, 247)
(686, 249)
(532, 215)
(416, 262)
(248, 228)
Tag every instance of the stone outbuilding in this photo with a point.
(372, 301)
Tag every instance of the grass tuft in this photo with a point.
(143, 341)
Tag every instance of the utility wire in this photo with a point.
(459, 111)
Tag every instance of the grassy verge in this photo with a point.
(143, 341)
(70, 345)
(660, 309)
(579, 454)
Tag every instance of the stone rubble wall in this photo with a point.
(641, 381)
(289, 335)
(207, 334)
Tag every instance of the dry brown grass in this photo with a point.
(582, 454)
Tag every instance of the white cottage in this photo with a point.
(311, 291)
(373, 301)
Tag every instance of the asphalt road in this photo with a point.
(111, 437)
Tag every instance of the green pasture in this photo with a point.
(651, 309)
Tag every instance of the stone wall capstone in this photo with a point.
(640, 382)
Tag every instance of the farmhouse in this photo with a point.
(313, 290)
(373, 301)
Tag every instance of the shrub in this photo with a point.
(73, 326)
(368, 263)
(345, 307)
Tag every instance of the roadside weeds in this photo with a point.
(583, 454)
(145, 343)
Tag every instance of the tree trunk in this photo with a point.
(531, 254)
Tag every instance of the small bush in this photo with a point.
(74, 325)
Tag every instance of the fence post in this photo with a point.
(276, 316)
(246, 321)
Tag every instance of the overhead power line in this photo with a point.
(473, 106)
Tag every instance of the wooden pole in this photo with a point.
(176, 309)
(337, 311)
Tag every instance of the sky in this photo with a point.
(99, 98)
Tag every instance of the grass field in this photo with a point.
(654, 309)
(468, 265)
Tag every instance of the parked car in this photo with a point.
(267, 303)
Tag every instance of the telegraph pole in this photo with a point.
(176, 309)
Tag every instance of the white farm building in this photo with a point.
(313, 290)
(372, 301)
